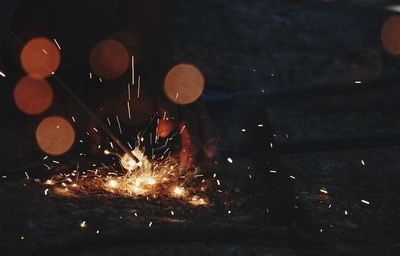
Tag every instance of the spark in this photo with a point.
(133, 70)
(129, 109)
(113, 183)
(58, 45)
(83, 224)
(345, 212)
(183, 128)
(394, 8)
(178, 191)
(27, 176)
(45, 191)
(138, 88)
(2, 74)
(130, 146)
(357, 82)
(73, 119)
(362, 162)
(365, 201)
(197, 201)
(150, 224)
(229, 160)
(323, 190)
(260, 125)
(119, 125)
(243, 130)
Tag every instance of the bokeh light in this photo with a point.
(55, 135)
(390, 35)
(40, 57)
(109, 59)
(184, 84)
(33, 96)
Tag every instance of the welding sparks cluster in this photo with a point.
(144, 177)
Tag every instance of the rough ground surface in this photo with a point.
(246, 45)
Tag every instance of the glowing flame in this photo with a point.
(178, 191)
(198, 201)
(130, 164)
(113, 183)
(142, 177)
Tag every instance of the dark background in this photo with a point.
(244, 45)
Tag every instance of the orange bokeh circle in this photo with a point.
(390, 35)
(40, 57)
(55, 135)
(33, 96)
(109, 59)
(184, 84)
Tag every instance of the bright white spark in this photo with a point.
(322, 190)
(83, 224)
(129, 109)
(119, 125)
(138, 88)
(133, 70)
(365, 201)
(58, 45)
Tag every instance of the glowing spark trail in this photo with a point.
(138, 88)
(58, 45)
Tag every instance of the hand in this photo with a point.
(198, 133)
